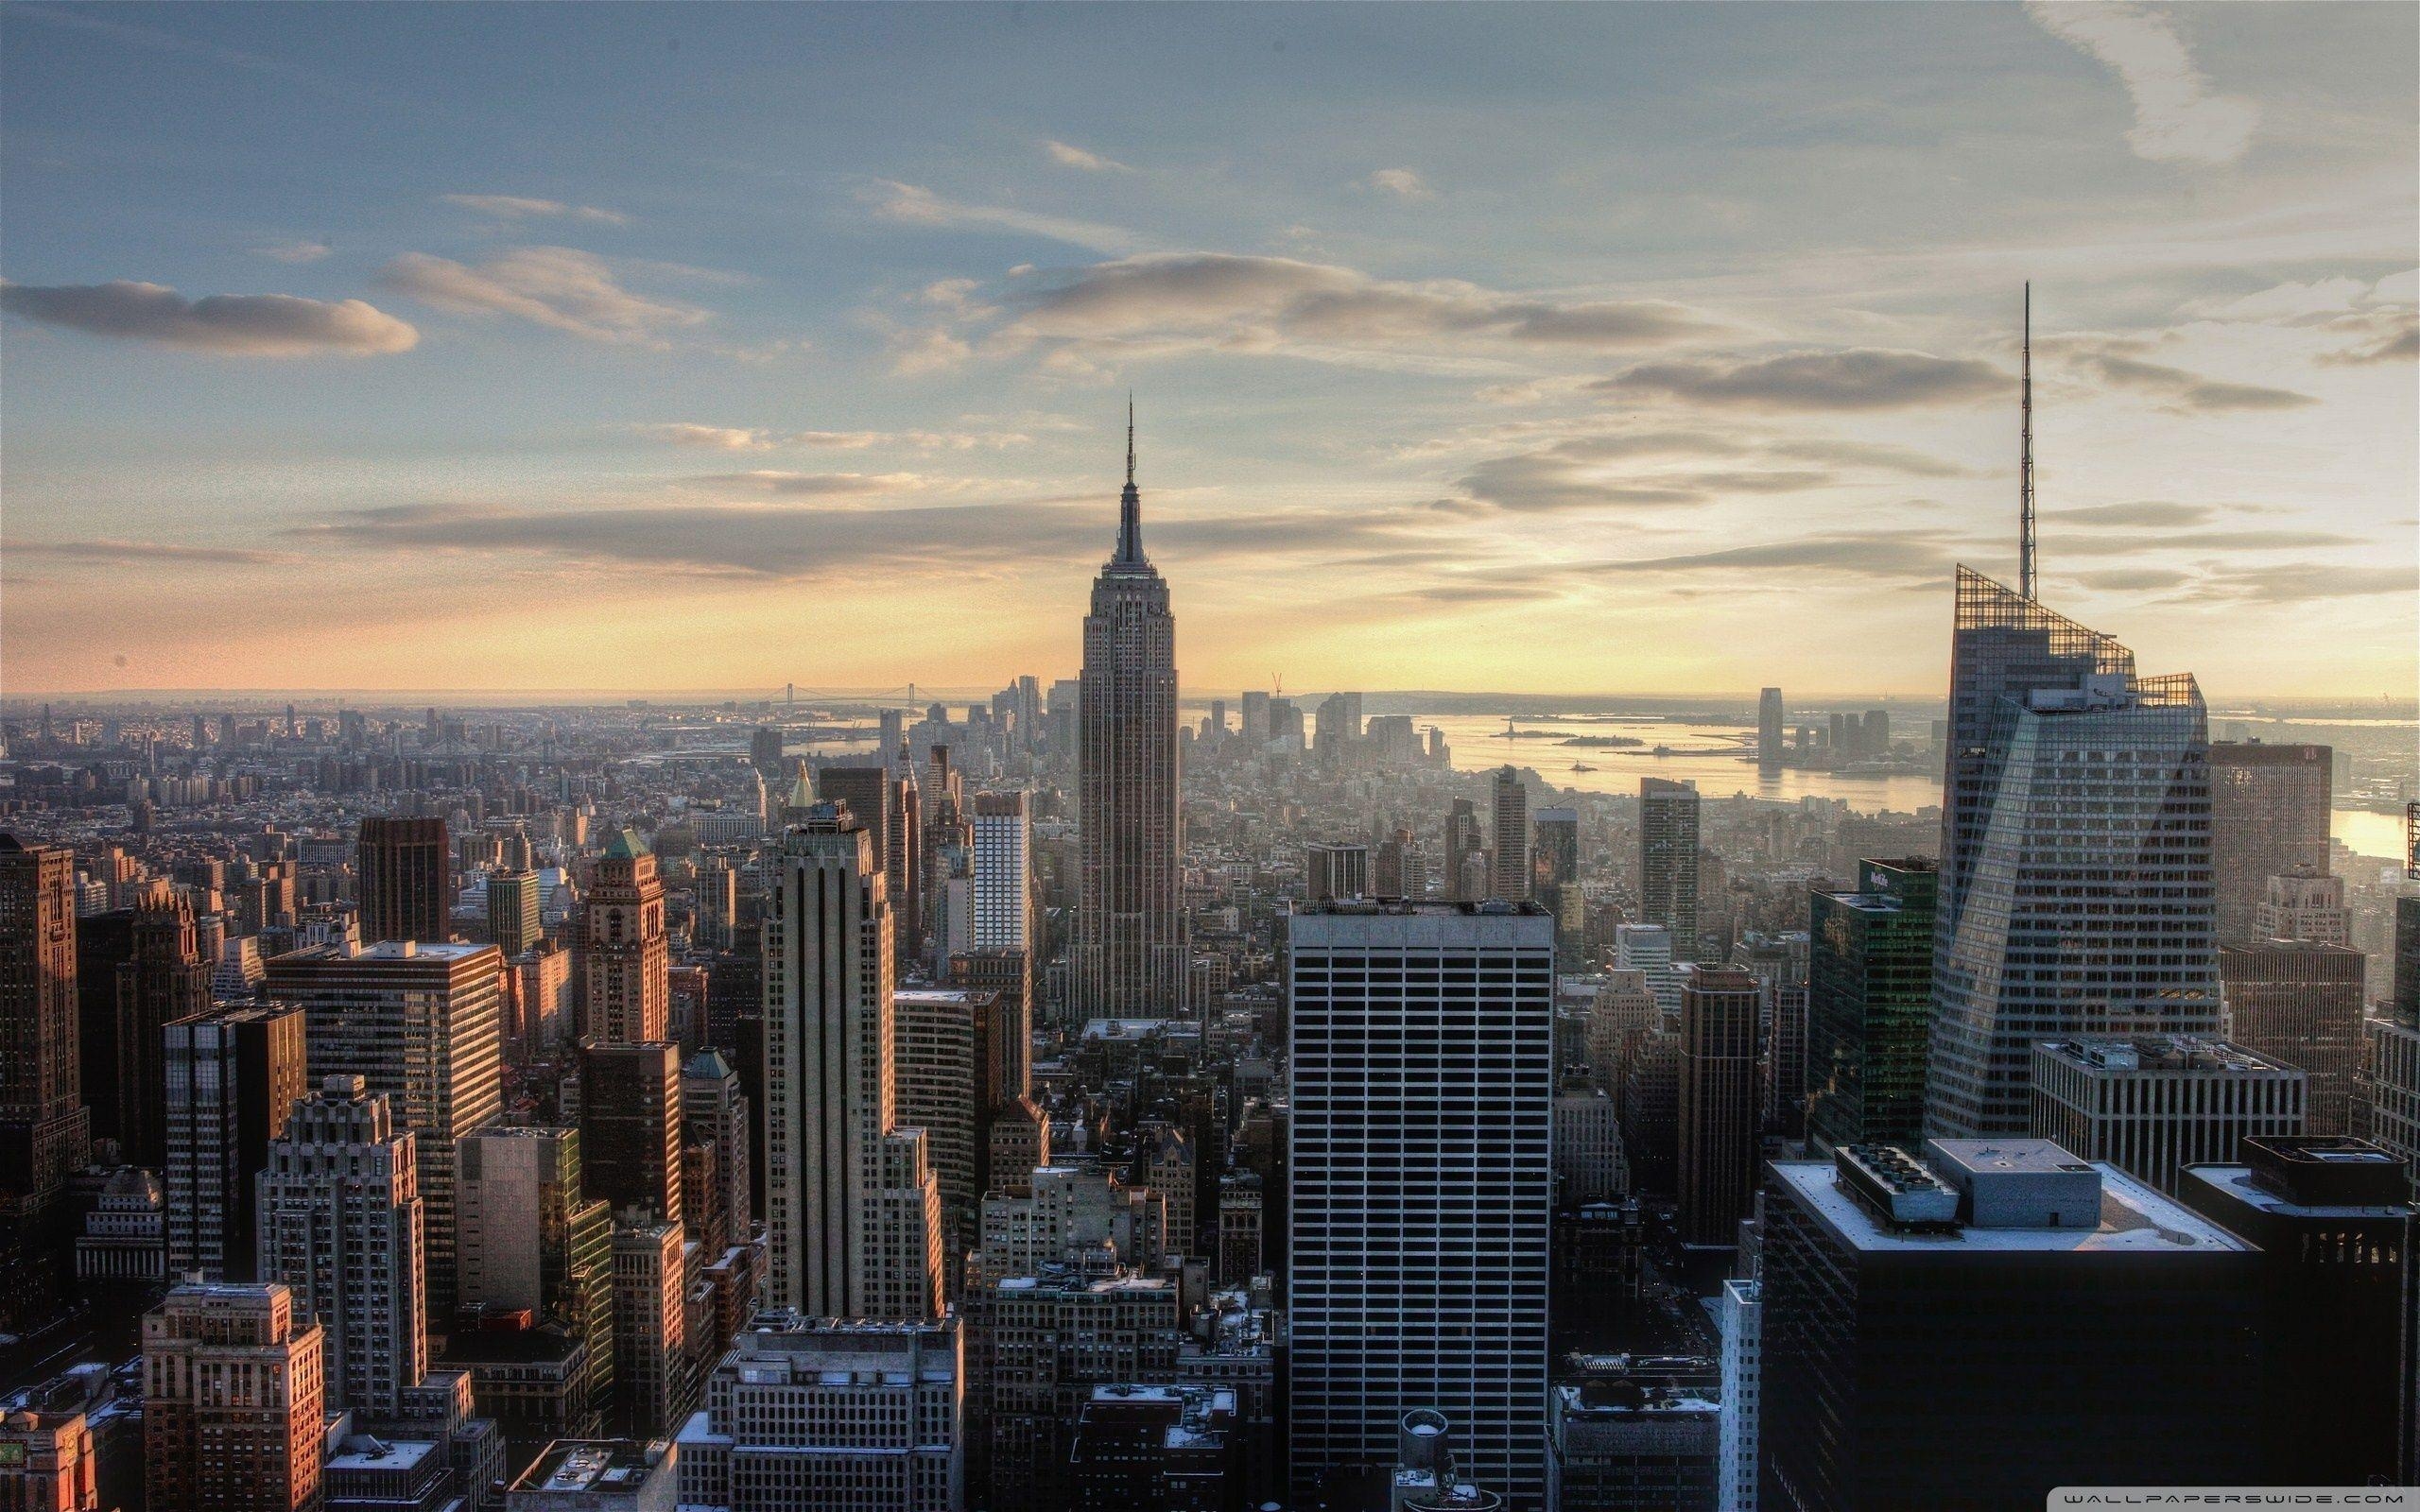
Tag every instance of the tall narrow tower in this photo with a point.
(1130, 938)
(2025, 585)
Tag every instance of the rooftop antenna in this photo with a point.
(1129, 504)
(1130, 437)
(2024, 456)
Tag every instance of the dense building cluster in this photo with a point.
(1088, 1097)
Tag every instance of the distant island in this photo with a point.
(1600, 740)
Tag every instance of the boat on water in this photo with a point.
(1581, 767)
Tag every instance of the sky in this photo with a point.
(1603, 348)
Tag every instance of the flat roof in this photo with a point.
(2134, 1220)
(569, 1465)
(2237, 1181)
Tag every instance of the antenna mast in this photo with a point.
(2025, 456)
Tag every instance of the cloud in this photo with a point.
(2302, 583)
(1076, 157)
(2176, 118)
(295, 251)
(558, 287)
(2132, 579)
(737, 541)
(1229, 302)
(2182, 392)
(514, 207)
(127, 553)
(716, 438)
(2117, 543)
(1857, 378)
(2149, 513)
(930, 350)
(1401, 182)
(252, 325)
(740, 439)
(1904, 554)
(1573, 475)
(910, 205)
(2400, 344)
(819, 485)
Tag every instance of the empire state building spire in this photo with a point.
(1129, 504)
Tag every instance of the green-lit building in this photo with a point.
(1869, 1005)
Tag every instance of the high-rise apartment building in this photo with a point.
(2268, 814)
(529, 1237)
(1555, 858)
(2152, 1106)
(1668, 861)
(831, 1415)
(652, 1377)
(2075, 873)
(422, 1024)
(1721, 1108)
(43, 1116)
(1332, 871)
(1034, 1350)
(1946, 1332)
(233, 1400)
(1130, 954)
(233, 1076)
(513, 923)
(404, 872)
(1869, 1005)
(137, 969)
(1509, 841)
(1421, 1181)
(844, 1186)
(1740, 1321)
(340, 1227)
(1001, 874)
(2301, 1003)
(947, 1080)
(630, 1128)
(625, 955)
(714, 1112)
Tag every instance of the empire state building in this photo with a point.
(1129, 959)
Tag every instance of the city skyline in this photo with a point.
(597, 423)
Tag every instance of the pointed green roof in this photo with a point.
(625, 846)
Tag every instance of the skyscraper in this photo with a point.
(340, 1225)
(947, 1083)
(1332, 871)
(513, 911)
(1771, 716)
(2301, 1003)
(402, 867)
(1420, 1198)
(1869, 1005)
(851, 1208)
(874, 795)
(2075, 873)
(629, 1128)
(624, 950)
(1130, 953)
(2269, 813)
(137, 969)
(1002, 874)
(1509, 850)
(1668, 861)
(714, 1112)
(1976, 1327)
(528, 1236)
(1720, 1106)
(233, 1400)
(420, 1024)
(42, 1117)
(233, 1076)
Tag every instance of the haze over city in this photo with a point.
(1596, 350)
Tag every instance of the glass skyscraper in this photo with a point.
(1869, 1005)
(2075, 878)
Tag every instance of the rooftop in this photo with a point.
(2134, 1220)
(571, 1464)
(2162, 1052)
